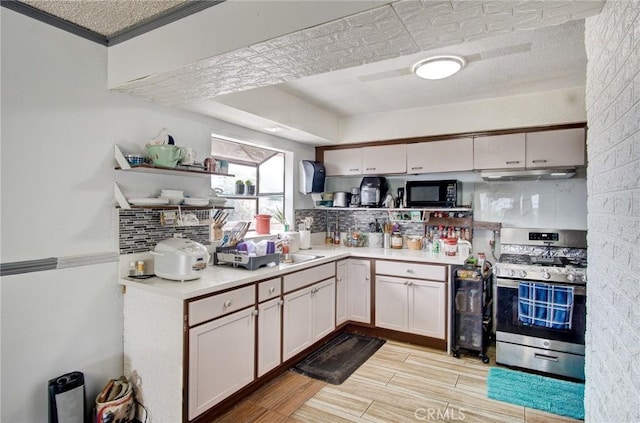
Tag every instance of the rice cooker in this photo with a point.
(179, 259)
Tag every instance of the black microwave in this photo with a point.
(433, 193)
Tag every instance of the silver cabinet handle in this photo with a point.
(227, 304)
(354, 170)
(339, 279)
(539, 161)
(366, 278)
(410, 283)
(280, 303)
(545, 357)
(513, 162)
(416, 168)
(254, 312)
(406, 282)
(272, 289)
(409, 270)
(371, 168)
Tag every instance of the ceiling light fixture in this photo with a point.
(274, 128)
(438, 67)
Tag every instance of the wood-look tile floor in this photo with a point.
(399, 383)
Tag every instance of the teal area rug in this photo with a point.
(539, 392)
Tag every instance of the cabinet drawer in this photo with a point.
(269, 289)
(309, 276)
(218, 305)
(411, 270)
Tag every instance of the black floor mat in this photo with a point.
(335, 361)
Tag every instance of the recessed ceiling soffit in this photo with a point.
(400, 28)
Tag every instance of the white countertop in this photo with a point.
(218, 278)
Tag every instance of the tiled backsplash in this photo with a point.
(349, 218)
(140, 230)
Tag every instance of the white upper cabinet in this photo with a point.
(565, 147)
(440, 156)
(384, 159)
(343, 162)
(499, 151)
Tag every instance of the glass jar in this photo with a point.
(396, 240)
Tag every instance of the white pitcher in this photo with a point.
(464, 248)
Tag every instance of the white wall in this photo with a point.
(59, 125)
(613, 147)
(518, 111)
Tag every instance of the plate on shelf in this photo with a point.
(194, 201)
(148, 201)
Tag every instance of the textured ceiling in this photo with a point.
(401, 28)
(106, 17)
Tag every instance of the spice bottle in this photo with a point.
(132, 268)
(140, 268)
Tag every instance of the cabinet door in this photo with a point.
(499, 152)
(384, 159)
(426, 308)
(297, 317)
(341, 291)
(565, 147)
(323, 299)
(440, 156)
(391, 303)
(269, 335)
(359, 291)
(221, 359)
(347, 161)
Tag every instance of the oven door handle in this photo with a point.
(515, 283)
(545, 357)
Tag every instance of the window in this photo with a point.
(264, 169)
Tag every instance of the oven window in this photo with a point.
(507, 319)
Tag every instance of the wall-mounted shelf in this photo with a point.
(124, 165)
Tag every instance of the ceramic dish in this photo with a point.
(194, 201)
(173, 200)
(148, 201)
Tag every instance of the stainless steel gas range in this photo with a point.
(541, 291)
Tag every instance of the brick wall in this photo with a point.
(613, 184)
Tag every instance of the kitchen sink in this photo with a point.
(296, 258)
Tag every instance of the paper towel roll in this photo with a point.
(305, 240)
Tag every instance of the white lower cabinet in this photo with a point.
(392, 308)
(221, 359)
(426, 308)
(411, 305)
(359, 291)
(269, 335)
(309, 314)
(342, 276)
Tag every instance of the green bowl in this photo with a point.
(165, 155)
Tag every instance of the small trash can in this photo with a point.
(263, 224)
(67, 398)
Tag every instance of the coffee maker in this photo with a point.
(372, 191)
(355, 197)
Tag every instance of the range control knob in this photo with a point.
(512, 272)
(571, 277)
(522, 274)
(584, 278)
(546, 275)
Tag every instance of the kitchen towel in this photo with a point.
(545, 305)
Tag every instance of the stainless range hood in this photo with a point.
(526, 175)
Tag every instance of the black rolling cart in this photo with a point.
(472, 301)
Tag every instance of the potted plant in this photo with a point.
(279, 216)
(251, 189)
(239, 187)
